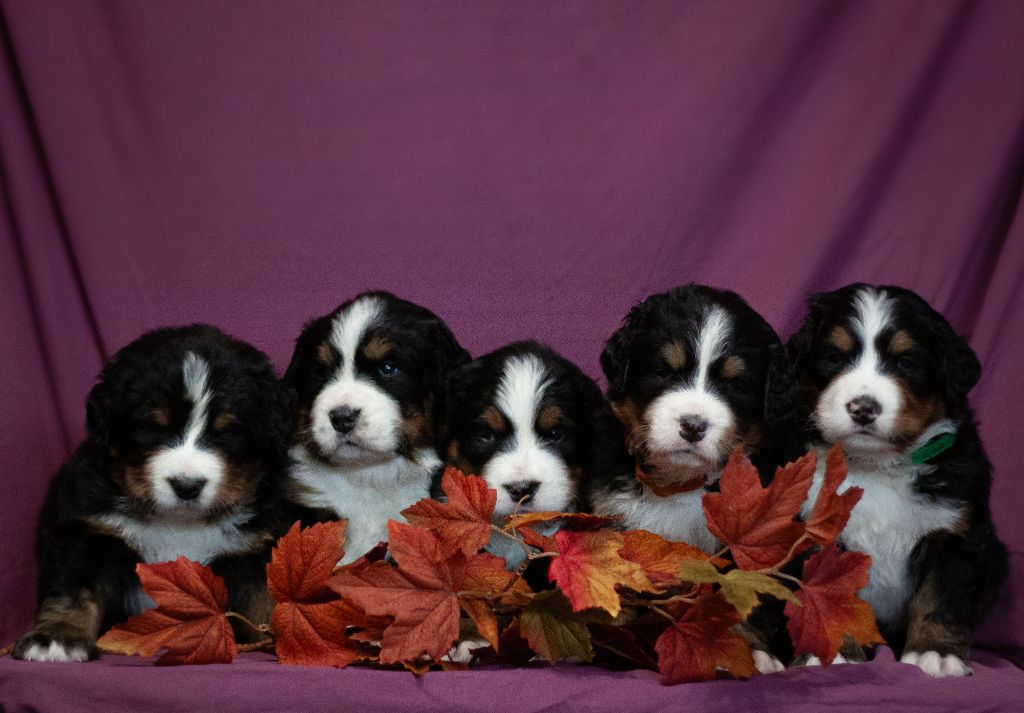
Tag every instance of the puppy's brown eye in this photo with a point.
(906, 363)
(555, 435)
(832, 358)
(485, 437)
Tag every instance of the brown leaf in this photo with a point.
(702, 642)
(568, 520)
(552, 629)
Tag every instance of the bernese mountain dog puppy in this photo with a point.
(532, 425)
(367, 380)
(886, 377)
(693, 373)
(185, 454)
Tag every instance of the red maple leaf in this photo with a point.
(465, 518)
(189, 620)
(702, 642)
(832, 511)
(589, 568)
(829, 606)
(758, 523)
(309, 620)
(424, 593)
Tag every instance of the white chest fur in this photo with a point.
(678, 517)
(887, 523)
(165, 541)
(367, 496)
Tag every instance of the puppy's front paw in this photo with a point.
(938, 665)
(764, 662)
(463, 651)
(37, 646)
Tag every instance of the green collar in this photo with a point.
(933, 448)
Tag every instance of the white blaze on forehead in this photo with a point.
(377, 432)
(714, 336)
(186, 458)
(351, 326)
(864, 378)
(694, 398)
(523, 382)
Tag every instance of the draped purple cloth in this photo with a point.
(525, 169)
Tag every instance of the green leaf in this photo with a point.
(552, 629)
(739, 587)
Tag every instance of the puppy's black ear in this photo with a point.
(97, 414)
(960, 367)
(802, 341)
(781, 389)
(615, 359)
(278, 407)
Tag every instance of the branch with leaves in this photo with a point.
(620, 598)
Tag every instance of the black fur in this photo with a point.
(84, 563)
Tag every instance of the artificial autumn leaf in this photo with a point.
(831, 511)
(309, 619)
(756, 522)
(544, 543)
(589, 567)
(831, 608)
(569, 520)
(422, 594)
(189, 620)
(660, 558)
(466, 516)
(552, 629)
(739, 587)
(702, 642)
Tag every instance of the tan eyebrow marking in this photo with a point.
(160, 416)
(377, 348)
(493, 418)
(733, 367)
(900, 342)
(548, 417)
(675, 354)
(223, 421)
(324, 354)
(842, 339)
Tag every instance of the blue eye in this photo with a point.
(388, 369)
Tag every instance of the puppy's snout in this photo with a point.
(693, 428)
(522, 491)
(186, 488)
(863, 410)
(344, 418)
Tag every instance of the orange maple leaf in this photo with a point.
(189, 620)
(660, 558)
(465, 518)
(832, 511)
(589, 567)
(423, 595)
(309, 619)
(568, 520)
(758, 523)
(829, 606)
(702, 642)
(544, 543)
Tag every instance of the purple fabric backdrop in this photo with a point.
(524, 169)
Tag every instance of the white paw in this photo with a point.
(936, 665)
(764, 662)
(462, 652)
(55, 652)
(815, 661)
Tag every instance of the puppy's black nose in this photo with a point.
(863, 410)
(523, 490)
(344, 418)
(187, 488)
(693, 428)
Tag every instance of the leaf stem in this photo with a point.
(256, 645)
(262, 628)
(663, 613)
